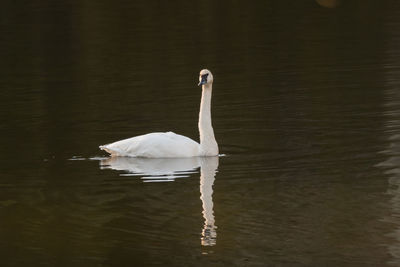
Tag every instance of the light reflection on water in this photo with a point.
(169, 169)
(153, 170)
(391, 165)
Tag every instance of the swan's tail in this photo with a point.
(109, 150)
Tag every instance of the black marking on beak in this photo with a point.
(203, 79)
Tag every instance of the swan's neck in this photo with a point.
(208, 145)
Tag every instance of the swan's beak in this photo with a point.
(203, 80)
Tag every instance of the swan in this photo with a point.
(169, 144)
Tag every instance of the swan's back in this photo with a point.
(155, 145)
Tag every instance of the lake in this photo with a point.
(305, 109)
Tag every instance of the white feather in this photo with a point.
(157, 145)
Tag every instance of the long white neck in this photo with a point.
(208, 145)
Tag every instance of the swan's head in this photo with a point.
(205, 77)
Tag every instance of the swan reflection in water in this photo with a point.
(168, 169)
(208, 168)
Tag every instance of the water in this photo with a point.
(306, 107)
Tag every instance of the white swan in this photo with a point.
(169, 144)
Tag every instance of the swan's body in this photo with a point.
(169, 144)
(154, 145)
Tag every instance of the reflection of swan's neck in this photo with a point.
(206, 191)
(209, 166)
(208, 145)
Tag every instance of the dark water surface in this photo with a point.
(306, 110)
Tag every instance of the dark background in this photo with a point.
(305, 108)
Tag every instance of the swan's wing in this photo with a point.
(155, 145)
